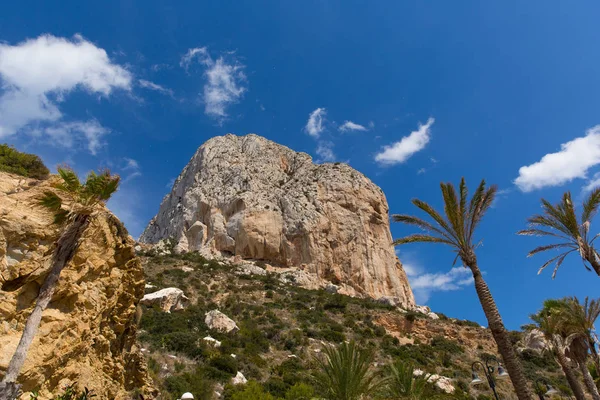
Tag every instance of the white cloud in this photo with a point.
(573, 161)
(154, 86)
(351, 126)
(36, 75)
(325, 151)
(425, 283)
(225, 81)
(592, 183)
(401, 151)
(314, 126)
(131, 169)
(66, 134)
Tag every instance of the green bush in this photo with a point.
(194, 382)
(300, 391)
(440, 343)
(29, 165)
(251, 391)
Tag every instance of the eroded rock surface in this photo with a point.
(253, 198)
(87, 334)
(168, 299)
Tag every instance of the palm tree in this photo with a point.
(73, 209)
(345, 373)
(547, 322)
(457, 230)
(578, 320)
(403, 383)
(560, 221)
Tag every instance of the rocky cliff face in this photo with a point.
(250, 197)
(87, 334)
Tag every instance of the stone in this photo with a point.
(248, 197)
(239, 379)
(168, 299)
(533, 340)
(88, 332)
(442, 382)
(218, 321)
(250, 269)
(432, 315)
(331, 288)
(187, 269)
(212, 341)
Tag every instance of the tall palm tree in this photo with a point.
(457, 230)
(345, 373)
(403, 383)
(76, 205)
(548, 322)
(560, 221)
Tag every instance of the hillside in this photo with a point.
(282, 328)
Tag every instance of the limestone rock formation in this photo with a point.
(87, 334)
(168, 299)
(250, 197)
(218, 321)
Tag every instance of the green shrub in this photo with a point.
(251, 391)
(440, 343)
(224, 363)
(29, 165)
(300, 391)
(193, 382)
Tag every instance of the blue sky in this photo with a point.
(452, 89)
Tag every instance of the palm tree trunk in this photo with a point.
(595, 359)
(589, 381)
(65, 248)
(569, 373)
(505, 347)
(590, 257)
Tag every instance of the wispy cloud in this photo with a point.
(573, 161)
(67, 134)
(225, 81)
(351, 126)
(402, 150)
(424, 283)
(38, 74)
(314, 126)
(325, 151)
(131, 170)
(156, 87)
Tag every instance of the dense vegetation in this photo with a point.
(284, 330)
(15, 162)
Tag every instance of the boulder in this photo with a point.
(442, 382)
(212, 341)
(168, 299)
(239, 379)
(218, 321)
(250, 269)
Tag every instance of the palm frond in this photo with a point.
(550, 261)
(70, 181)
(541, 232)
(51, 201)
(550, 247)
(420, 238)
(61, 216)
(464, 192)
(560, 261)
(424, 225)
(451, 208)
(590, 206)
(485, 202)
(550, 222)
(437, 217)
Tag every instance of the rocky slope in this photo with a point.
(276, 329)
(255, 199)
(88, 332)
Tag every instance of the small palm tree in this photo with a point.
(73, 209)
(457, 230)
(403, 384)
(547, 321)
(345, 373)
(578, 320)
(560, 221)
